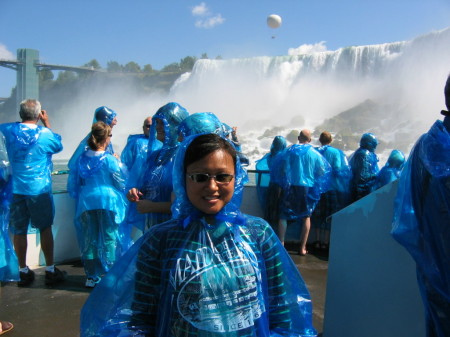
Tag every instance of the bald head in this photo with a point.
(146, 126)
(304, 136)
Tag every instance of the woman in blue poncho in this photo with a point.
(97, 181)
(268, 186)
(336, 196)
(9, 265)
(101, 114)
(392, 170)
(210, 271)
(152, 192)
(422, 219)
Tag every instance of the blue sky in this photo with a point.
(164, 31)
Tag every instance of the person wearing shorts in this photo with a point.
(30, 148)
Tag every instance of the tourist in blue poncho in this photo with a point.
(210, 271)
(422, 219)
(267, 186)
(336, 196)
(97, 182)
(101, 114)
(304, 176)
(30, 149)
(134, 156)
(152, 193)
(391, 171)
(9, 265)
(364, 164)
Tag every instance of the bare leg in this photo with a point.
(47, 245)
(20, 246)
(306, 225)
(282, 224)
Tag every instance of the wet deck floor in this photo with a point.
(54, 312)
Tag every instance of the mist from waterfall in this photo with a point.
(262, 92)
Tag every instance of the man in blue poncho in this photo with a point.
(210, 271)
(30, 148)
(364, 164)
(305, 175)
(422, 219)
(392, 170)
(337, 195)
(101, 114)
(134, 156)
(152, 192)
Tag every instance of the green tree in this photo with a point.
(148, 69)
(93, 64)
(187, 63)
(45, 75)
(218, 57)
(132, 67)
(204, 56)
(65, 77)
(114, 67)
(173, 67)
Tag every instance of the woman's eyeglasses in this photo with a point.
(110, 135)
(221, 178)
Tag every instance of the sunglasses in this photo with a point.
(110, 135)
(221, 178)
(147, 126)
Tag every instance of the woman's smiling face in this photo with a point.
(210, 196)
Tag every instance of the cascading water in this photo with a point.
(263, 92)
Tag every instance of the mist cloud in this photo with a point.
(5, 53)
(308, 49)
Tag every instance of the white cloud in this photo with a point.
(207, 19)
(308, 49)
(5, 53)
(200, 10)
(210, 22)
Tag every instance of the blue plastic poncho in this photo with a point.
(185, 277)
(101, 114)
(136, 147)
(30, 148)
(97, 182)
(263, 179)
(341, 173)
(155, 177)
(422, 222)
(391, 171)
(200, 122)
(364, 164)
(9, 265)
(304, 167)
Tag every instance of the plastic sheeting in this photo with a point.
(302, 166)
(422, 219)
(9, 266)
(186, 277)
(97, 182)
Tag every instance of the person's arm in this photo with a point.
(148, 206)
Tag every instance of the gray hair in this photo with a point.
(30, 109)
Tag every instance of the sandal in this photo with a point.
(5, 327)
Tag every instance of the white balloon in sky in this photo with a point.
(274, 21)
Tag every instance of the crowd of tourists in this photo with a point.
(161, 235)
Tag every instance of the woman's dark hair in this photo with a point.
(100, 131)
(206, 144)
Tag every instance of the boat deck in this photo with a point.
(39, 310)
